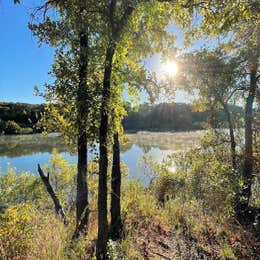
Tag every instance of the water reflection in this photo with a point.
(20, 145)
(24, 152)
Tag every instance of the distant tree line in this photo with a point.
(172, 116)
(21, 118)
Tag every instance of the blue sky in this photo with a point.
(23, 64)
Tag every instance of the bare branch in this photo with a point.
(46, 181)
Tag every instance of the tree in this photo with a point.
(72, 35)
(106, 26)
(119, 22)
(116, 226)
(238, 23)
(216, 79)
(248, 165)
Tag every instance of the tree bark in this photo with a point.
(115, 209)
(82, 205)
(116, 29)
(248, 165)
(46, 181)
(231, 135)
(101, 248)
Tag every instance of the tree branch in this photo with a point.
(46, 181)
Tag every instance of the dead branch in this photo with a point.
(46, 181)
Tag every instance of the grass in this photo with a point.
(185, 215)
(179, 229)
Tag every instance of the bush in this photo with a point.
(21, 188)
(168, 185)
(138, 203)
(28, 233)
(12, 127)
(26, 130)
(201, 174)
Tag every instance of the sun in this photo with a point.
(170, 68)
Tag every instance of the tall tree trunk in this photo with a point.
(115, 209)
(231, 135)
(116, 29)
(101, 248)
(82, 206)
(247, 171)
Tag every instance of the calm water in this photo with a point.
(25, 152)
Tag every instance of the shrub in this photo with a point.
(227, 252)
(200, 175)
(16, 231)
(28, 233)
(21, 188)
(26, 130)
(138, 203)
(129, 248)
(12, 127)
(168, 185)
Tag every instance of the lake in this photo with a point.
(24, 152)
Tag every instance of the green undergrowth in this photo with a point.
(187, 214)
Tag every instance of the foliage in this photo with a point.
(197, 200)
(213, 76)
(63, 179)
(26, 232)
(23, 114)
(27, 215)
(139, 35)
(164, 116)
(167, 185)
(128, 247)
(137, 205)
(12, 128)
(177, 117)
(161, 117)
(224, 17)
(20, 188)
(197, 207)
(235, 24)
(202, 174)
(111, 250)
